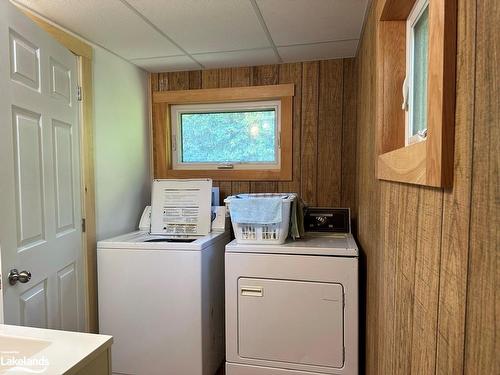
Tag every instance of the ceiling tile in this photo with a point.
(166, 64)
(108, 23)
(201, 26)
(237, 58)
(307, 21)
(319, 51)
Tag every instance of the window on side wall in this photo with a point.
(417, 61)
(226, 136)
(416, 51)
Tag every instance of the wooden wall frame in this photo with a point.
(429, 162)
(163, 100)
(84, 54)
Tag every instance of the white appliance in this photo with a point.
(162, 299)
(163, 303)
(293, 308)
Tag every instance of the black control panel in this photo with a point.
(332, 220)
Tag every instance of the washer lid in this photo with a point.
(145, 240)
(327, 245)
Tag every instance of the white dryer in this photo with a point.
(293, 308)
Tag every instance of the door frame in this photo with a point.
(84, 54)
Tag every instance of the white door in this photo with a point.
(40, 193)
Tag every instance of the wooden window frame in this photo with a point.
(162, 143)
(429, 162)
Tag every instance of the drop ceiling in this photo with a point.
(172, 35)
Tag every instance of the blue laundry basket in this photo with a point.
(264, 234)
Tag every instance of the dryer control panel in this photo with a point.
(327, 220)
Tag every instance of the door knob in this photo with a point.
(15, 276)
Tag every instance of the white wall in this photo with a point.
(121, 143)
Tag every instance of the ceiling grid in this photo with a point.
(264, 27)
(174, 35)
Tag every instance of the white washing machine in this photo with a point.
(161, 296)
(162, 299)
(293, 308)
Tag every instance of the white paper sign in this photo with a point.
(181, 207)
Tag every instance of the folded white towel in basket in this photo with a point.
(256, 210)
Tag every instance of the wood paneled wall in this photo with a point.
(324, 125)
(433, 279)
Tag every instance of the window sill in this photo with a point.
(406, 164)
(230, 175)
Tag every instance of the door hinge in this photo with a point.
(83, 226)
(79, 93)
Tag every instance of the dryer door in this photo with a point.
(293, 322)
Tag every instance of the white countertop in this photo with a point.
(55, 351)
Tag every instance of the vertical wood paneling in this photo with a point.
(456, 207)
(153, 84)
(160, 157)
(240, 77)
(154, 81)
(349, 133)
(427, 271)
(292, 73)
(435, 303)
(309, 131)
(225, 189)
(482, 345)
(321, 115)
(225, 78)
(389, 203)
(368, 197)
(265, 75)
(210, 78)
(195, 79)
(178, 81)
(329, 159)
(158, 118)
(405, 249)
(162, 81)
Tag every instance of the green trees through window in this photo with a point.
(420, 72)
(229, 137)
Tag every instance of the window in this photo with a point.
(242, 135)
(417, 56)
(226, 134)
(416, 50)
